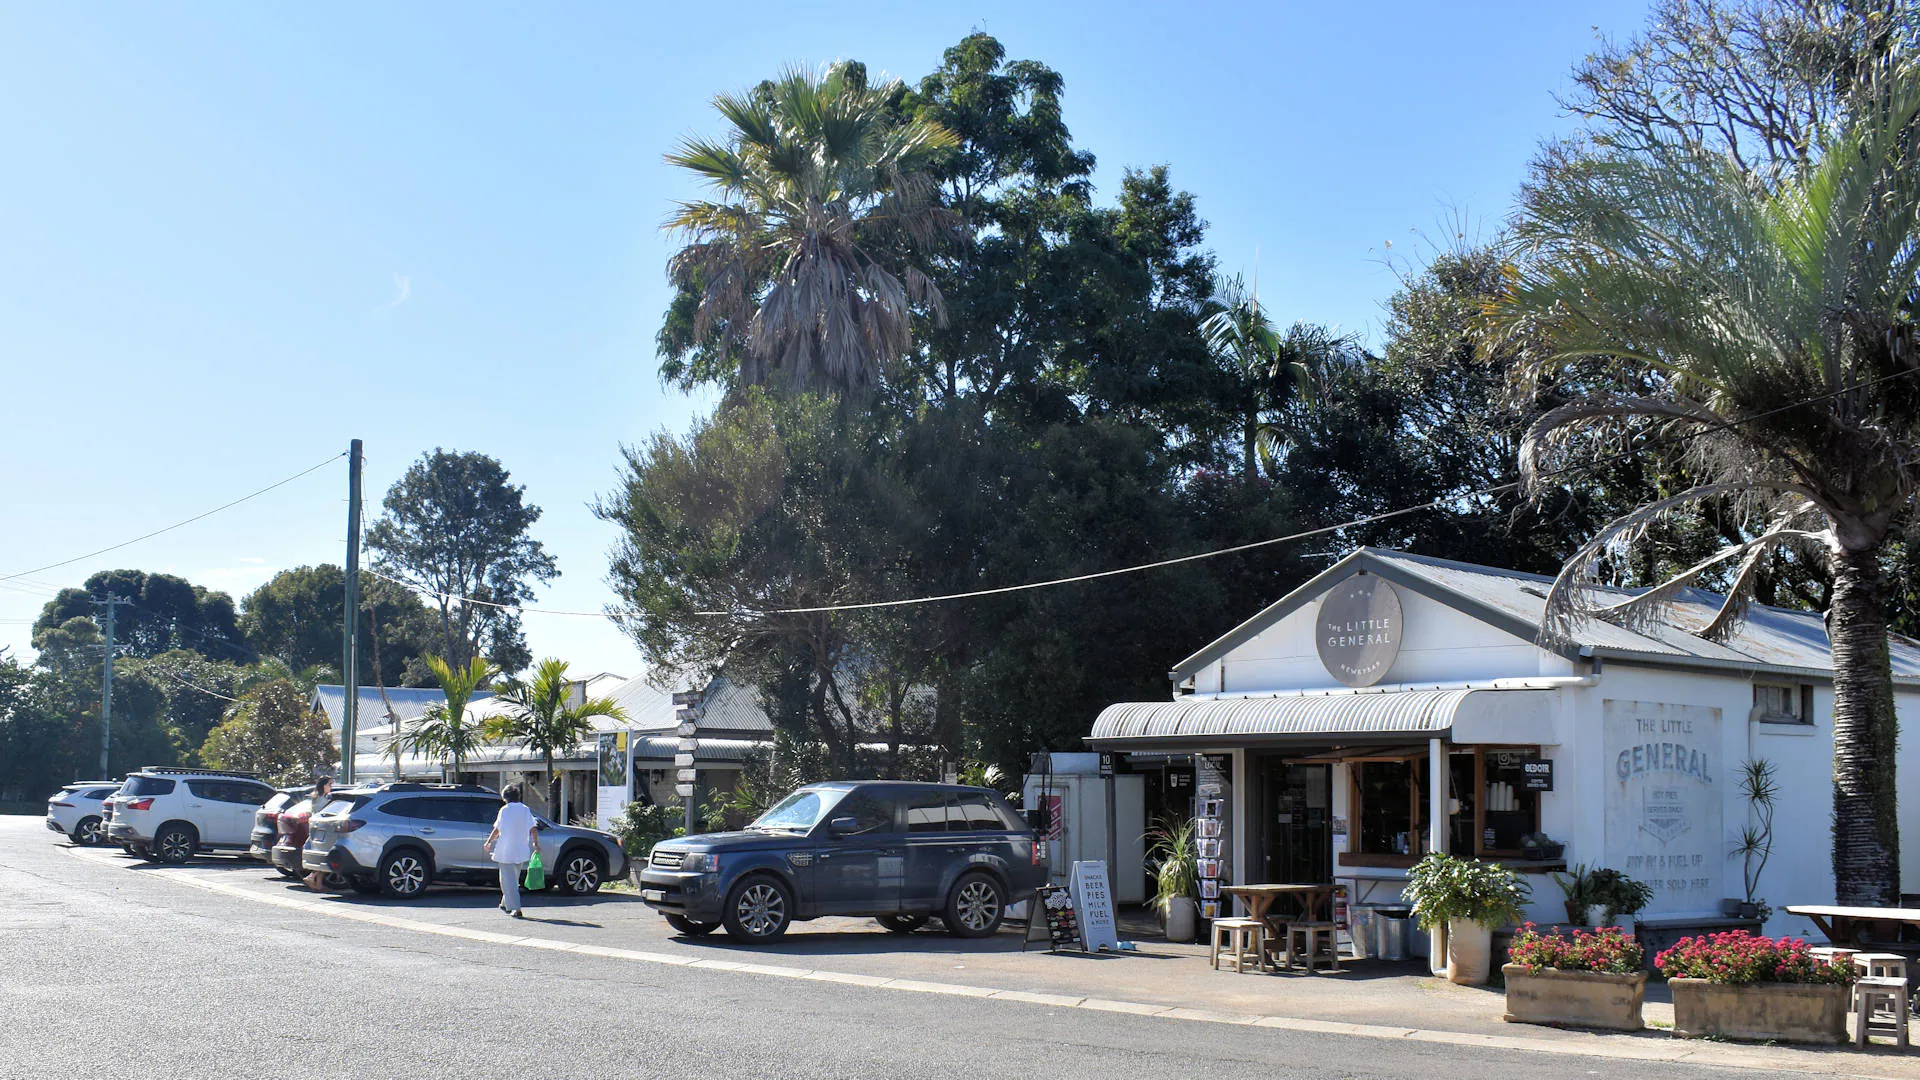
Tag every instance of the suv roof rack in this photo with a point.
(417, 785)
(177, 770)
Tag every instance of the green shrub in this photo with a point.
(1442, 887)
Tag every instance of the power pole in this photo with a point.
(111, 603)
(350, 632)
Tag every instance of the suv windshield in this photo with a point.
(798, 812)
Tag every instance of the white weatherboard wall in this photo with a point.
(1439, 644)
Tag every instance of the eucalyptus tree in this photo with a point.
(542, 714)
(808, 265)
(1772, 328)
(443, 730)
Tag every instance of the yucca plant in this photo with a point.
(1175, 859)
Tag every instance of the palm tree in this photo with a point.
(804, 266)
(541, 715)
(443, 731)
(1271, 370)
(1774, 331)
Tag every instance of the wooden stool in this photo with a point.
(1242, 936)
(1882, 965)
(1310, 942)
(1870, 995)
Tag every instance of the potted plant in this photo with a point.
(1581, 978)
(1754, 843)
(1577, 884)
(1615, 894)
(1737, 985)
(1470, 898)
(1175, 859)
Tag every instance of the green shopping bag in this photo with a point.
(536, 873)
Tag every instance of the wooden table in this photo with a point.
(1851, 925)
(1259, 898)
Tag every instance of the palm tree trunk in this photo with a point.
(1250, 448)
(553, 801)
(1866, 829)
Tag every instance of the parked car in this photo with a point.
(399, 838)
(266, 824)
(76, 810)
(898, 852)
(171, 814)
(293, 824)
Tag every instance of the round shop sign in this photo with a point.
(1359, 629)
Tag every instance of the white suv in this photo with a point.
(75, 810)
(169, 814)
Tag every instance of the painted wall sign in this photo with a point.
(1358, 629)
(1664, 801)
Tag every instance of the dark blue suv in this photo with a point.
(896, 851)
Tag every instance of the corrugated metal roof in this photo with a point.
(1770, 638)
(728, 706)
(1411, 713)
(408, 702)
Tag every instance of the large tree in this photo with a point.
(272, 732)
(443, 730)
(455, 528)
(543, 716)
(166, 612)
(295, 617)
(807, 268)
(1773, 326)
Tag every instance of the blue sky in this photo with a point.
(233, 237)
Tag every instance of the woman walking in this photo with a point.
(511, 844)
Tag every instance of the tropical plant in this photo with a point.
(443, 730)
(1773, 329)
(1271, 370)
(1759, 786)
(1175, 860)
(1442, 887)
(1577, 884)
(541, 714)
(1608, 950)
(1617, 893)
(806, 267)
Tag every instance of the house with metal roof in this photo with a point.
(1397, 704)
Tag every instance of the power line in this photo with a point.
(177, 524)
(1371, 519)
(193, 686)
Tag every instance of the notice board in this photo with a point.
(1052, 919)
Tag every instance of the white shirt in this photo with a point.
(514, 821)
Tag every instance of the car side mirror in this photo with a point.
(842, 826)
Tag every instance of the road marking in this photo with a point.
(1727, 1055)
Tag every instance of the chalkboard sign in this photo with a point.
(1053, 920)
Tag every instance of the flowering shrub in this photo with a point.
(1737, 958)
(1607, 950)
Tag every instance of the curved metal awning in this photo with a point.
(1495, 716)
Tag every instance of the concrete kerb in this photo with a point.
(1724, 1055)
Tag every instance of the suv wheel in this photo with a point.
(690, 927)
(87, 833)
(403, 874)
(175, 844)
(581, 873)
(901, 924)
(976, 906)
(758, 909)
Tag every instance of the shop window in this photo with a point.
(1508, 811)
(1491, 810)
(1386, 807)
(1783, 703)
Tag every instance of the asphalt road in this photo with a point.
(107, 971)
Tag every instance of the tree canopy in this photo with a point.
(167, 612)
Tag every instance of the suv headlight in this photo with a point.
(700, 862)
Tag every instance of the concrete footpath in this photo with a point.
(1371, 999)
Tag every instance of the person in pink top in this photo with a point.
(511, 843)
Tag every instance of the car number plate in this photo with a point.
(655, 895)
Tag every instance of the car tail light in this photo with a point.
(348, 826)
(140, 804)
(67, 805)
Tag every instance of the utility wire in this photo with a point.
(195, 686)
(1455, 498)
(178, 524)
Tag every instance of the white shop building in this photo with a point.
(1323, 721)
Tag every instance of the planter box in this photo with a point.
(1786, 1012)
(1587, 999)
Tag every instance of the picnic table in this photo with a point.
(1861, 925)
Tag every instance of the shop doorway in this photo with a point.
(1294, 841)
